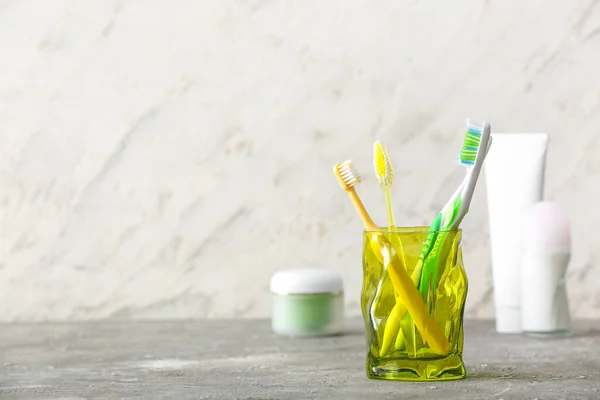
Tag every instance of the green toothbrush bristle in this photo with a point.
(468, 153)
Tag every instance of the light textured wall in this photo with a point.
(163, 159)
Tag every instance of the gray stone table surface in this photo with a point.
(245, 360)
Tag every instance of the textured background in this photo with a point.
(163, 159)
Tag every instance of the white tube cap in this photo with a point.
(508, 320)
(306, 280)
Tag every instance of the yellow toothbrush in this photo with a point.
(348, 177)
(385, 175)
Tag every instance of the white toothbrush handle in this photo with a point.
(450, 204)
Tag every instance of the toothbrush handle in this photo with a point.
(362, 211)
(430, 330)
(389, 209)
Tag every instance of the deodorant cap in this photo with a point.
(548, 229)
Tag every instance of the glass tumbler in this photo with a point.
(413, 297)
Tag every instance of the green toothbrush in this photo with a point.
(477, 137)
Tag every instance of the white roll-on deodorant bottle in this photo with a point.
(546, 256)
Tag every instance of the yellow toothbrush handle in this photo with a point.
(362, 211)
(392, 327)
(389, 209)
(428, 327)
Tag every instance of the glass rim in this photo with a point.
(406, 230)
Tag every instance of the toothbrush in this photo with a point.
(348, 177)
(385, 175)
(454, 211)
(472, 155)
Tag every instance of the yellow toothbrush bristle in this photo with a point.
(383, 166)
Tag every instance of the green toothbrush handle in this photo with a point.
(429, 274)
(428, 243)
(428, 279)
